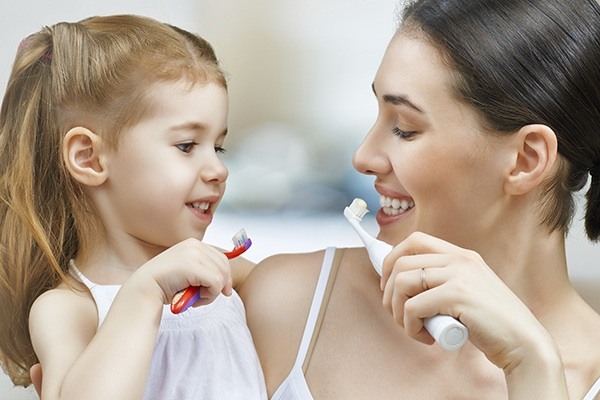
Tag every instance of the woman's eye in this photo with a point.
(220, 150)
(403, 134)
(186, 147)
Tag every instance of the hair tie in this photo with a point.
(47, 56)
(23, 42)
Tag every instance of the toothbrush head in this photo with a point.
(240, 238)
(358, 208)
(241, 243)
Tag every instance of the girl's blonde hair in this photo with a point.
(94, 73)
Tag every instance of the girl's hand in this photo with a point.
(459, 283)
(188, 263)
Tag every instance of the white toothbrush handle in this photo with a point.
(447, 331)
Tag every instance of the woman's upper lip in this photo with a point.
(390, 193)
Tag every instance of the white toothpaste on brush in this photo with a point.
(446, 330)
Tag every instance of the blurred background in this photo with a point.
(300, 103)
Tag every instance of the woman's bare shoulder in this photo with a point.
(280, 272)
(277, 295)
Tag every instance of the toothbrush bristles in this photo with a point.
(358, 207)
(240, 238)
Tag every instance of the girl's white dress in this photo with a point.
(203, 353)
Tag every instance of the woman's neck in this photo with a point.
(532, 262)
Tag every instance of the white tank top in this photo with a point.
(203, 353)
(295, 387)
(594, 391)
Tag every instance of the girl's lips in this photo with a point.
(203, 215)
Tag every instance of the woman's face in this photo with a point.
(435, 169)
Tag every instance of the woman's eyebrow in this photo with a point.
(398, 100)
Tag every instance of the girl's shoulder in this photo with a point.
(74, 296)
(61, 318)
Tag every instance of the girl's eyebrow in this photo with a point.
(194, 126)
(398, 100)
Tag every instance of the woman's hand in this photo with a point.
(424, 276)
(188, 263)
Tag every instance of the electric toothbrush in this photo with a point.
(446, 330)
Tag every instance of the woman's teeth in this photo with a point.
(202, 206)
(391, 206)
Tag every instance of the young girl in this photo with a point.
(109, 176)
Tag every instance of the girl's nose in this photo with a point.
(371, 158)
(213, 170)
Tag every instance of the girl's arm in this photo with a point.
(113, 363)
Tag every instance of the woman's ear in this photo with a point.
(535, 156)
(84, 156)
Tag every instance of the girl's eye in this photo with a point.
(186, 147)
(220, 150)
(403, 134)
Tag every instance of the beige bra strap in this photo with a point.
(337, 259)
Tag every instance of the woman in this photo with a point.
(488, 123)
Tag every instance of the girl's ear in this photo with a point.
(84, 156)
(535, 156)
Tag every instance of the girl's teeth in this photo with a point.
(203, 206)
(392, 206)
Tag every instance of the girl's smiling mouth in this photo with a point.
(200, 206)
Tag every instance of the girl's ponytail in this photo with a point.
(34, 212)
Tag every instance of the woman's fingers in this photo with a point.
(416, 243)
(410, 273)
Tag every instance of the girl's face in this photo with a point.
(165, 177)
(435, 169)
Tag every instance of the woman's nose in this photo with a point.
(371, 158)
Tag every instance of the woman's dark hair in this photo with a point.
(521, 62)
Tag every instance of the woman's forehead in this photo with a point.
(413, 68)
